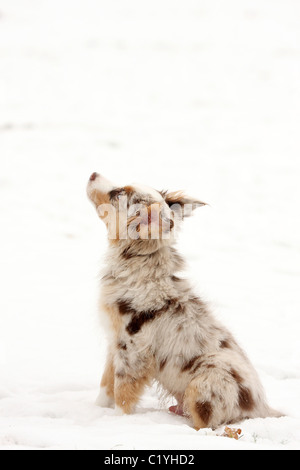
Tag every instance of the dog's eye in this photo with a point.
(116, 193)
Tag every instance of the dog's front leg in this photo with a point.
(132, 373)
(106, 394)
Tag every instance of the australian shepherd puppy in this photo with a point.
(159, 328)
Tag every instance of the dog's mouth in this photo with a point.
(150, 222)
(98, 189)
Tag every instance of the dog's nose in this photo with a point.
(93, 176)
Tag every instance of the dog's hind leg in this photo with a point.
(210, 400)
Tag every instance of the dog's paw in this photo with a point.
(119, 411)
(103, 400)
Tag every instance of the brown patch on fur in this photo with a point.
(224, 344)
(179, 309)
(114, 193)
(236, 376)
(204, 410)
(140, 318)
(196, 367)
(246, 401)
(122, 345)
(126, 254)
(125, 308)
(120, 374)
(188, 365)
(129, 190)
(162, 364)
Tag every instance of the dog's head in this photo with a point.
(138, 212)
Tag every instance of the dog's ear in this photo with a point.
(180, 203)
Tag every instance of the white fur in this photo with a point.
(103, 399)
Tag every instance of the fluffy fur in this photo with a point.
(159, 329)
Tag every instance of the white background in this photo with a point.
(201, 95)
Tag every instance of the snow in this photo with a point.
(196, 95)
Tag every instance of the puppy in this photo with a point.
(159, 329)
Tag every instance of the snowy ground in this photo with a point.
(201, 95)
